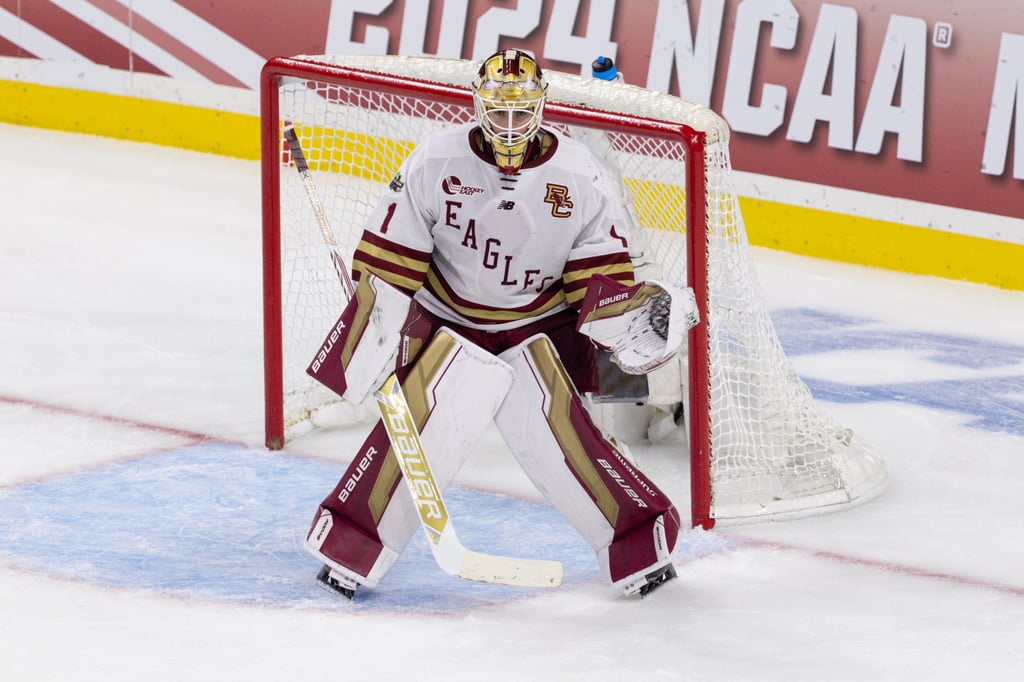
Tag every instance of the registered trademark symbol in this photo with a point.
(942, 34)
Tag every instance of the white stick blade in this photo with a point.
(510, 571)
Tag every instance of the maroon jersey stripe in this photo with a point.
(387, 270)
(484, 314)
(397, 249)
(603, 260)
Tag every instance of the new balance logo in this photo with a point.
(506, 205)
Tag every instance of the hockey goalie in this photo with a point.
(493, 268)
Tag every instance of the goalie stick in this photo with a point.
(450, 554)
(301, 165)
(448, 551)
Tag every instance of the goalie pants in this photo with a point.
(455, 389)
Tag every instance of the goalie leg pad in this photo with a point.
(579, 470)
(454, 389)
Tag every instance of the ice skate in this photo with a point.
(650, 582)
(336, 582)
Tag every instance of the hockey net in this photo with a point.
(760, 445)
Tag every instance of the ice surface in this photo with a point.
(146, 534)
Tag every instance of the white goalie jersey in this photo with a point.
(493, 251)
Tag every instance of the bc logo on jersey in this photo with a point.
(558, 197)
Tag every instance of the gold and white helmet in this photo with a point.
(509, 96)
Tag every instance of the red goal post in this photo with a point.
(760, 445)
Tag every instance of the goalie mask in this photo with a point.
(509, 98)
